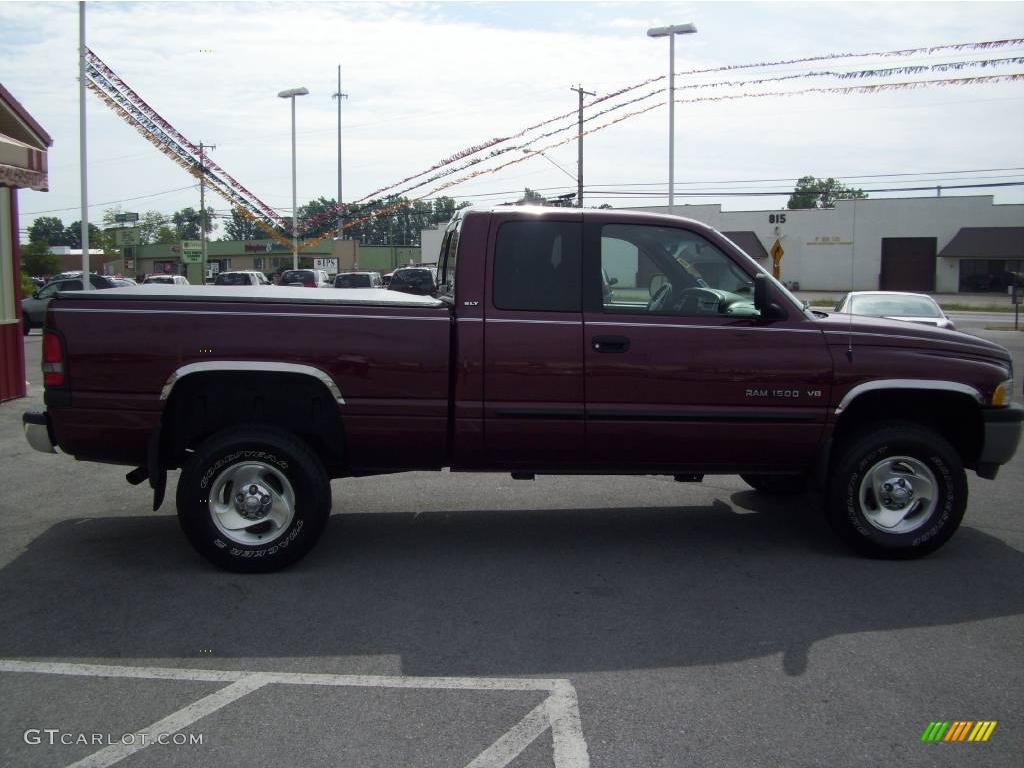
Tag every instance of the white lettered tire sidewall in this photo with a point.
(864, 452)
(283, 452)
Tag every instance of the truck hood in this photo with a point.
(262, 294)
(880, 332)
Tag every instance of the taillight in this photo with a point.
(309, 284)
(53, 360)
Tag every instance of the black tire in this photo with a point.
(777, 485)
(852, 502)
(26, 324)
(282, 465)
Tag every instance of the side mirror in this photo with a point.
(761, 294)
(613, 281)
(768, 309)
(35, 294)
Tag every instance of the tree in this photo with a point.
(811, 192)
(392, 220)
(73, 236)
(37, 260)
(49, 230)
(149, 226)
(186, 222)
(531, 197)
(165, 235)
(241, 228)
(145, 228)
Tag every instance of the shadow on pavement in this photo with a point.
(497, 593)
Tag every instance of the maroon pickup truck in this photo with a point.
(558, 341)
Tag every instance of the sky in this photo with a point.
(427, 80)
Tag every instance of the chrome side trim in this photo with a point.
(591, 323)
(286, 315)
(533, 322)
(251, 365)
(929, 384)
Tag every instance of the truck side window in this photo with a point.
(449, 251)
(537, 266)
(669, 271)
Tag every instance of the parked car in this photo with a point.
(165, 280)
(419, 280)
(33, 308)
(896, 305)
(358, 280)
(251, 277)
(306, 278)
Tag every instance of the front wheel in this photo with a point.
(253, 499)
(898, 492)
(26, 324)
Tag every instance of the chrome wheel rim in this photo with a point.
(251, 503)
(898, 494)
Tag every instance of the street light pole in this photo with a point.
(671, 32)
(291, 93)
(83, 163)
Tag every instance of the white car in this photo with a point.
(250, 277)
(308, 278)
(165, 280)
(896, 305)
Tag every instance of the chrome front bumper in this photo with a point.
(37, 431)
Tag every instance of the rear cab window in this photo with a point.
(537, 265)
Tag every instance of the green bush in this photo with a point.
(27, 286)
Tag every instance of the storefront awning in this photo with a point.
(749, 242)
(986, 243)
(23, 145)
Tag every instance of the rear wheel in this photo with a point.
(899, 492)
(777, 485)
(253, 499)
(26, 323)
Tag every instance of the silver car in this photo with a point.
(895, 305)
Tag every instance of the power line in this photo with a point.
(110, 202)
(845, 176)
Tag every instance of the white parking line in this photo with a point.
(173, 723)
(559, 712)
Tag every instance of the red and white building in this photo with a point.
(23, 148)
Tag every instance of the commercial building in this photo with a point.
(23, 164)
(238, 255)
(931, 244)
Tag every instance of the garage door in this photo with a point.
(908, 264)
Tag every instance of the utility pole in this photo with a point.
(82, 154)
(579, 146)
(341, 211)
(202, 202)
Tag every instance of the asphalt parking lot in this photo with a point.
(450, 620)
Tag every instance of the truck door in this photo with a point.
(533, 342)
(681, 371)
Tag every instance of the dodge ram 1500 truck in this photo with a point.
(526, 359)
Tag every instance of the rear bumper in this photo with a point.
(1002, 434)
(38, 431)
